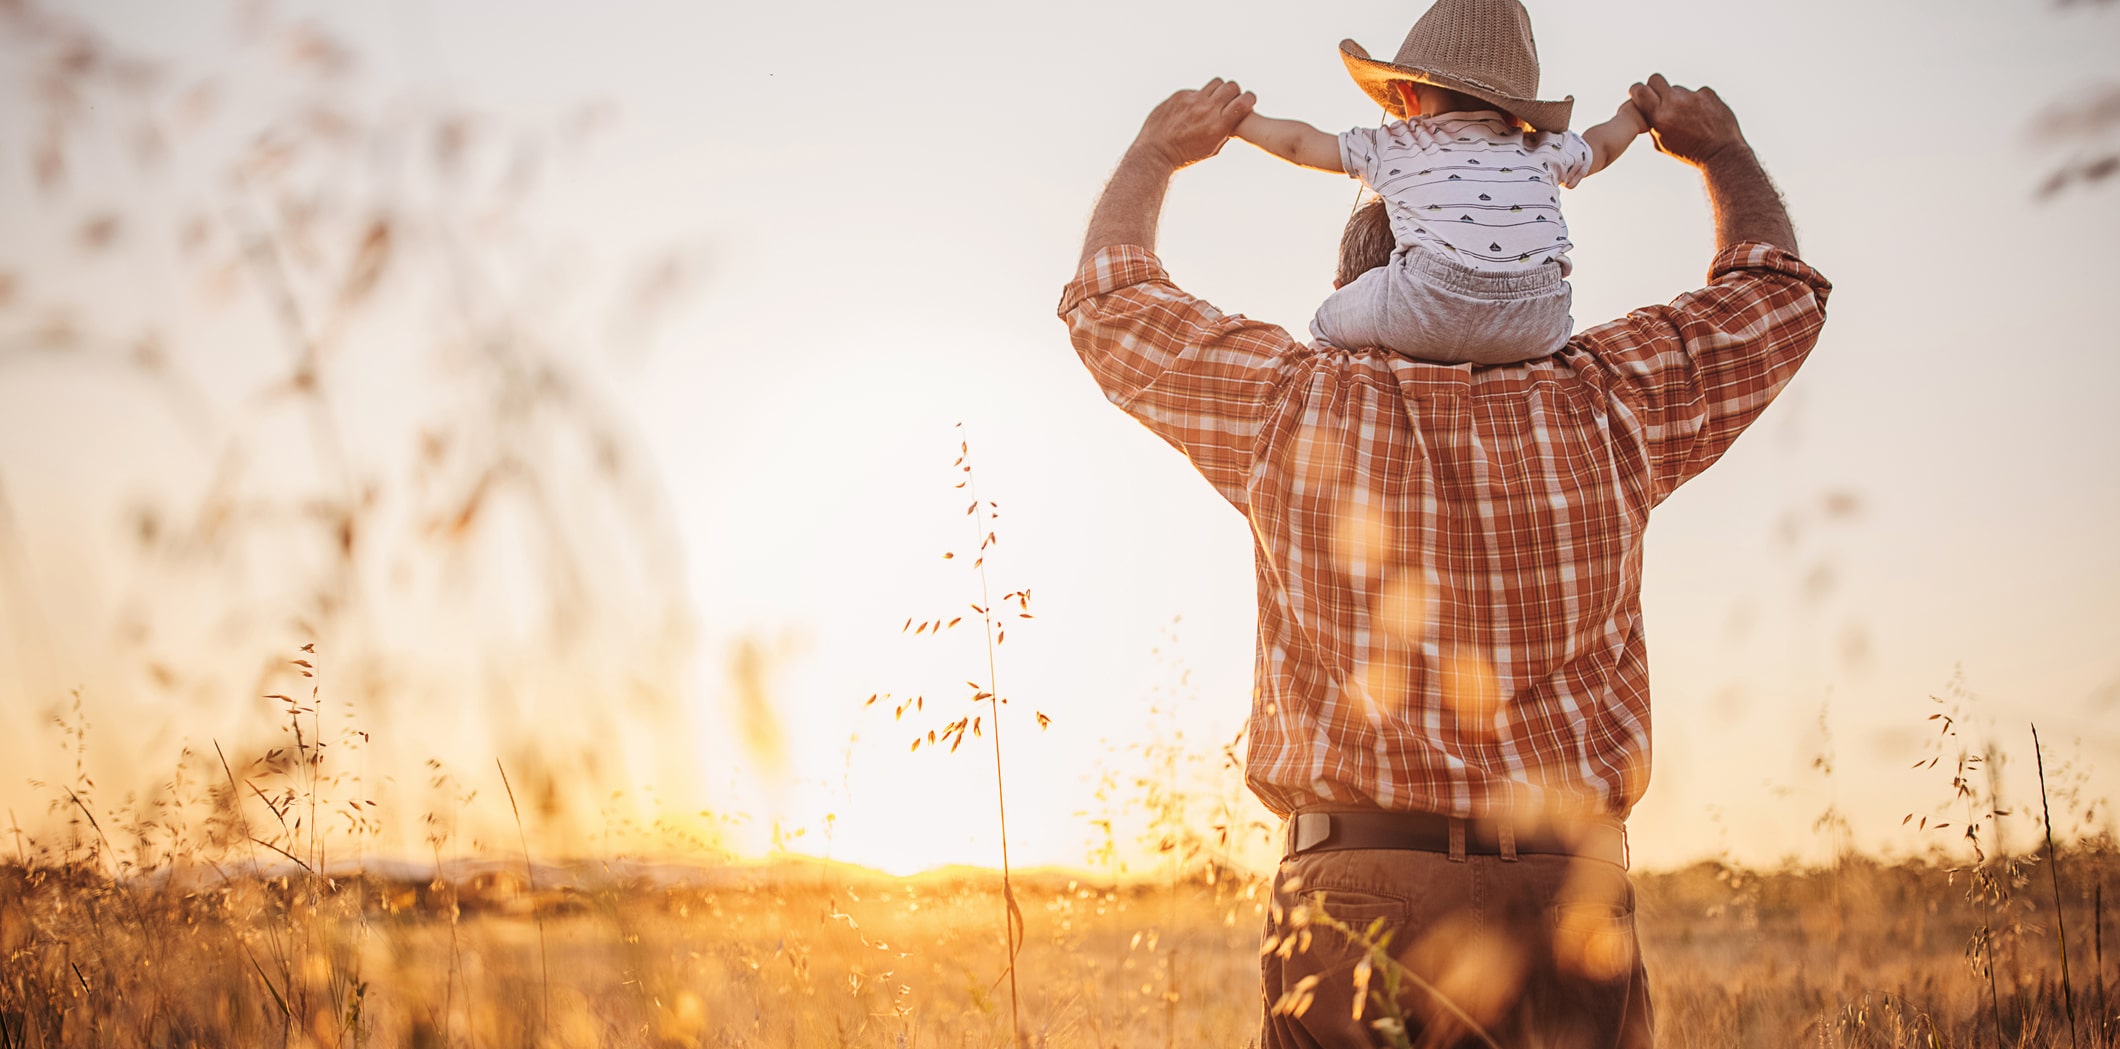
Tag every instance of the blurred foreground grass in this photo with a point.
(803, 954)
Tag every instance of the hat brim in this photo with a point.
(1375, 78)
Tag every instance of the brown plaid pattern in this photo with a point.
(1449, 559)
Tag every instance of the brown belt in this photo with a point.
(1428, 832)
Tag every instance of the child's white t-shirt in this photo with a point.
(1471, 186)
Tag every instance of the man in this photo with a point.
(1451, 703)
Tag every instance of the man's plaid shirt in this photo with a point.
(1449, 559)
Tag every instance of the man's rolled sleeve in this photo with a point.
(1200, 379)
(1698, 371)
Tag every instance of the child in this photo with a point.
(1470, 173)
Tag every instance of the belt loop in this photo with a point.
(1457, 840)
(1505, 831)
(1307, 830)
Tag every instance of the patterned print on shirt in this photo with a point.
(1490, 203)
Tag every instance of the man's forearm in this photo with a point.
(1132, 202)
(1747, 206)
(1188, 127)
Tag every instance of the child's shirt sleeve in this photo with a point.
(1572, 163)
(1359, 149)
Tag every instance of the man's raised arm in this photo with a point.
(1699, 370)
(1201, 379)
(1188, 127)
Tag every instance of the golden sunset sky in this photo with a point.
(877, 206)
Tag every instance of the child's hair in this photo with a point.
(1449, 101)
(1366, 243)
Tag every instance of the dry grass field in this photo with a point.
(239, 911)
(806, 954)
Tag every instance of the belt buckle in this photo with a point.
(1308, 830)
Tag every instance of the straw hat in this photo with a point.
(1480, 47)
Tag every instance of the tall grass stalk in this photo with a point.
(544, 962)
(257, 870)
(2098, 959)
(1380, 966)
(1986, 868)
(982, 517)
(2053, 870)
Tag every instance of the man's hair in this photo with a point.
(1367, 242)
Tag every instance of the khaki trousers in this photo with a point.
(1539, 951)
(1430, 308)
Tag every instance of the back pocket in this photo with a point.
(1594, 941)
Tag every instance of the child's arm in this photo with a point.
(1611, 138)
(1292, 141)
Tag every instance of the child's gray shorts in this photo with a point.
(1425, 306)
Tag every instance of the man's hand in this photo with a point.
(1696, 127)
(1191, 126)
(1186, 128)
(1692, 125)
